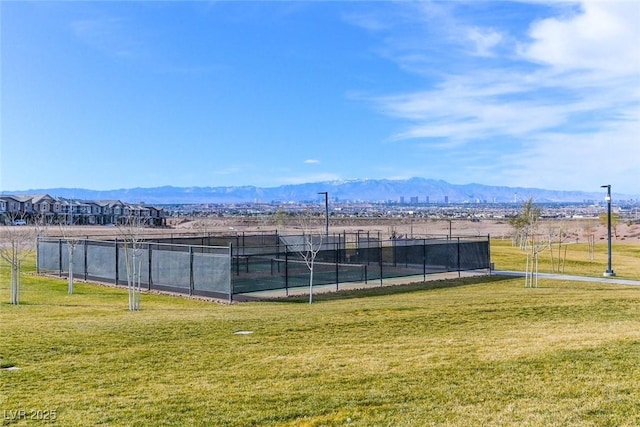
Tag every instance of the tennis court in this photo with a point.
(225, 266)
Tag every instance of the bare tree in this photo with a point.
(529, 240)
(557, 237)
(309, 247)
(40, 223)
(132, 234)
(16, 243)
(72, 242)
(589, 228)
(535, 245)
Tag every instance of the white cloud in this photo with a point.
(605, 36)
(560, 160)
(484, 40)
(555, 111)
(312, 161)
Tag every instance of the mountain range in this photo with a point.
(360, 190)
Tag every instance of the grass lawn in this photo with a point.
(486, 352)
(625, 259)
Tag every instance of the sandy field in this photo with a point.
(574, 229)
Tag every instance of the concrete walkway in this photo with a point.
(568, 277)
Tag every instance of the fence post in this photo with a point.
(286, 270)
(380, 259)
(343, 255)
(237, 262)
(38, 255)
(190, 270)
(117, 261)
(424, 260)
(393, 241)
(489, 253)
(60, 257)
(458, 257)
(230, 273)
(85, 258)
(150, 278)
(337, 258)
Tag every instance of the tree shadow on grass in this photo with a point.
(389, 289)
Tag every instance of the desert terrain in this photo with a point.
(579, 230)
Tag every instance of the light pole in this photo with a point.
(609, 271)
(326, 211)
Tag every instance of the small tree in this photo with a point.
(72, 242)
(535, 245)
(16, 243)
(557, 237)
(588, 228)
(309, 247)
(131, 232)
(525, 223)
(312, 245)
(40, 223)
(280, 219)
(526, 236)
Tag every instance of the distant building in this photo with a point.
(45, 209)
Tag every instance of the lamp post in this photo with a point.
(609, 271)
(326, 211)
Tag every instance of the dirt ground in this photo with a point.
(579, 229)
(573, 229)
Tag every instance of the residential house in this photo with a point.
(48, 209)
(45, 208)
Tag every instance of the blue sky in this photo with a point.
(109, 95)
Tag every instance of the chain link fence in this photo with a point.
(224, 266)
(342, 259)
(185, 269)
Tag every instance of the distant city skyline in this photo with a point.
(110, 95)
(414, 190)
